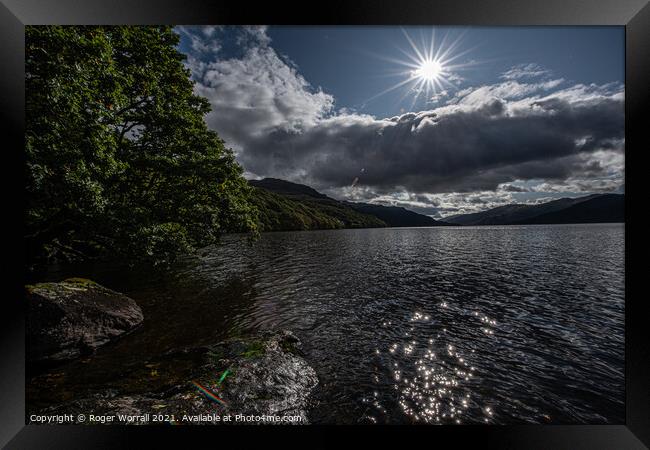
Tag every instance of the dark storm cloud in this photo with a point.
(451, 149)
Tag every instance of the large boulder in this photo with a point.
(253, 380)
(74, 317)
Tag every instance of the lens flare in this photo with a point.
(429, 69)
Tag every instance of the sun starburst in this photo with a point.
(428, 69)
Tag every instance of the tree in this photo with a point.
(119, 159)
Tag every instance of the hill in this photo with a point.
(396, 216)
(286, 188)
(284, 205)
(299, 207)
(607, 208)
(589, 209)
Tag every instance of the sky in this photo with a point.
(440, 120)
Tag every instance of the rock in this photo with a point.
(266, 378)
(269, 376)
(74, 317)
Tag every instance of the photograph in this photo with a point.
(294, 225)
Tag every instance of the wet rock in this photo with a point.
(269, 376)
(74, 317)
(260, 378)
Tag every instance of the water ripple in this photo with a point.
(432, 325)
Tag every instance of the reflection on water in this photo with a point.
(426, 325)
(431, 387)
(432, 379)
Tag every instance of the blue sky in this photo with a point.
(494, 116)
(347, 61)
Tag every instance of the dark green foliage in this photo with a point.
(119, 158)
(287, 188)
(278, 212)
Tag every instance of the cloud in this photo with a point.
(439, 96)
(527, 126)
(202, 40)
(503, 91)
(529, 70)
(474, 145)
(258, 94)
(506, 187)
(254, 35)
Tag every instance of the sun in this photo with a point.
(429, 70)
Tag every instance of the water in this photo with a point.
(499, 325)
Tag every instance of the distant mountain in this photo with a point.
(495, 216)
(509, 214)
(291, 206)
(589, 209)
(606, 208)
(396, 216)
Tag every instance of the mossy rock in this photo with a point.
(255, 349)
(82, 281)
(74, 317)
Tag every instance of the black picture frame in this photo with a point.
(15, 14)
